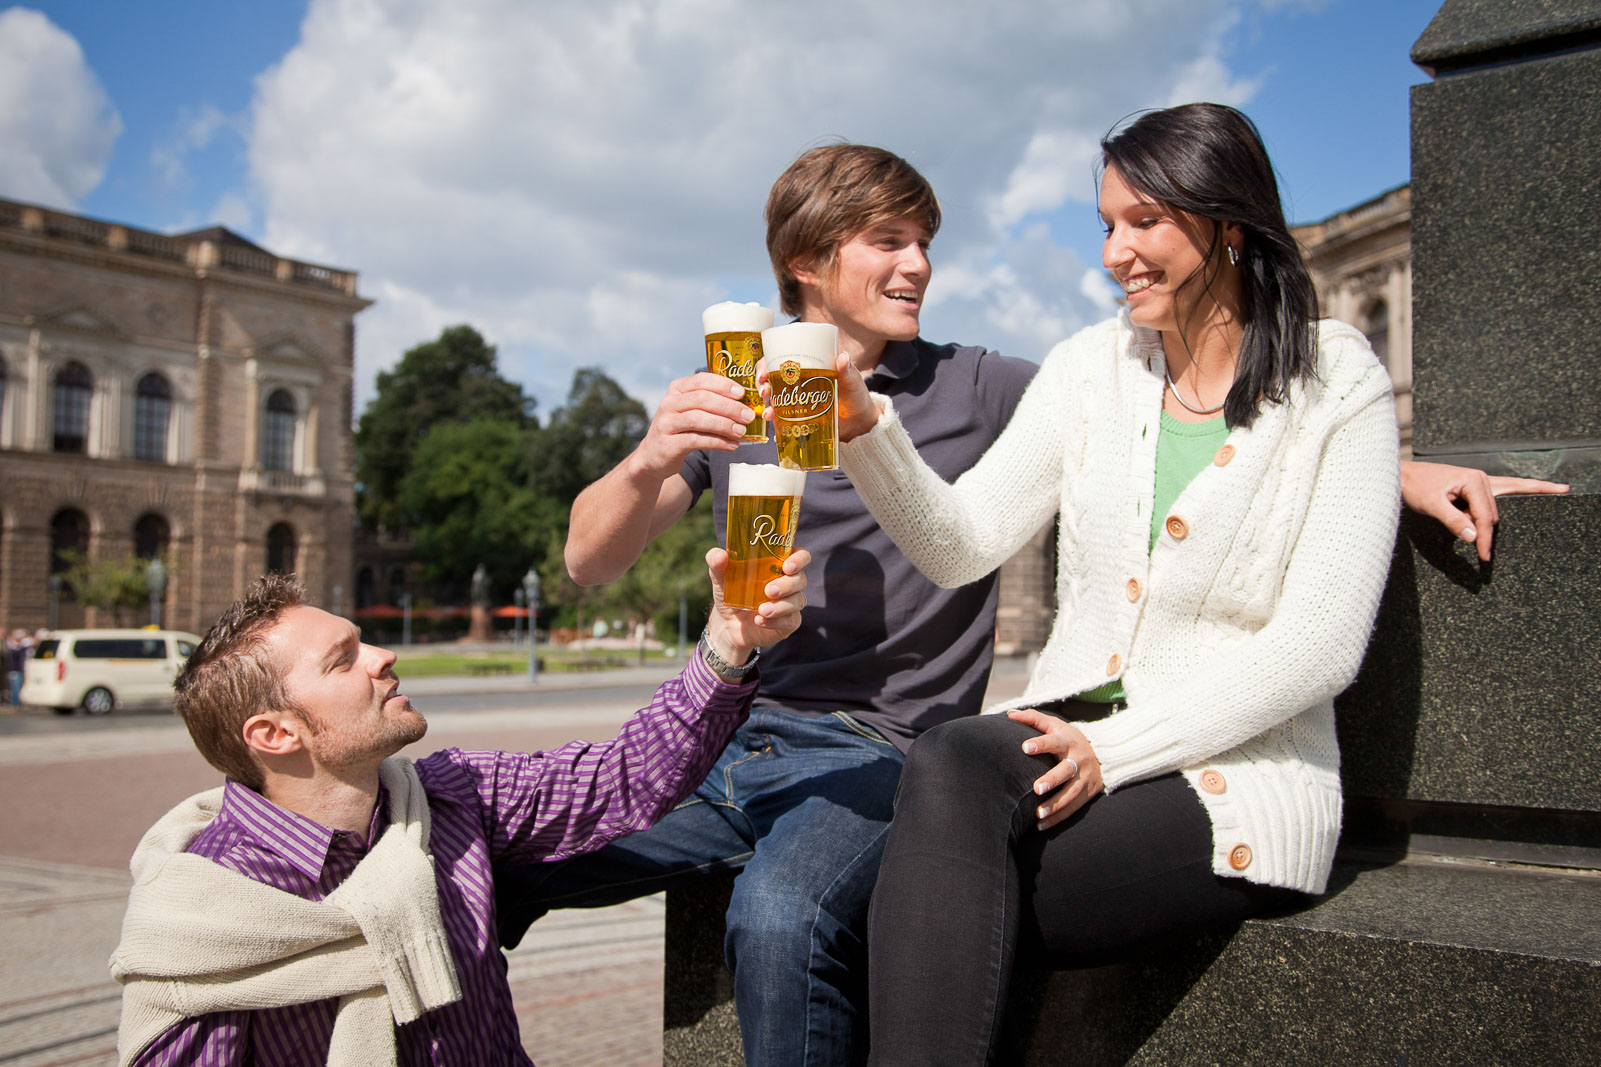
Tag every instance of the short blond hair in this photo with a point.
(230, 677)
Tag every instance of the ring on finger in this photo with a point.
(1074, 773)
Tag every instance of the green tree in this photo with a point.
(450, 379)
(672, 566)
(117, 584)
(473, 502)
(587, 436)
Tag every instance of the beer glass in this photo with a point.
(763, 511)
(733, 348)
(805, 393)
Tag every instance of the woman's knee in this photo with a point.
(980, 748)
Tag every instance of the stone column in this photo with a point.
(1506, 239)
(1478, 712)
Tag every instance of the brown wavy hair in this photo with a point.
(829, 195)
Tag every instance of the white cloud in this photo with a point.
(1096, 286)
(194, 131)
(577, 178)
(56, 122)
(1057, 167)
(1207, 79)
(233, 211)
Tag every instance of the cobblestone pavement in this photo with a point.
(587, 983)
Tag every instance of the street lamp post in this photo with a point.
(519, 598)
(156, 582)
(405, 620)
(683, 622)
(531, 592)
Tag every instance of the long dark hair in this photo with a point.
(1208, 160)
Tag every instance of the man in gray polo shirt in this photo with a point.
(801, 797)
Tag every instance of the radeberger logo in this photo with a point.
(806, 400)
(727, 367)
(761, 533)
(790, 371)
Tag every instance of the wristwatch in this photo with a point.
(721, 667)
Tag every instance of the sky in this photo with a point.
(578, 178)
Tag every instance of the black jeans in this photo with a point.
(967, 877)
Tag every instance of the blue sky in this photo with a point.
(577, 176)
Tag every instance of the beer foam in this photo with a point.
(811, 344)
(765, 479)
(729, 317)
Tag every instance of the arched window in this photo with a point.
(278, 432)
(69, 542)
(364, 588)
(69, 403)
(281, 548)
(1377, 319)
(150, 536)
(152, 410)
(397, 584)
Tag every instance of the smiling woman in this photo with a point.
(1172, 765)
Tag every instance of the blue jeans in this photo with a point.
(800, 806)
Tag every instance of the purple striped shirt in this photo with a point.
(486, 808)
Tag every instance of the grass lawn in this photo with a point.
(430, 662)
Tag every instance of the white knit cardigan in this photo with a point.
(1234, 633)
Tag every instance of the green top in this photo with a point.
(1183, 449)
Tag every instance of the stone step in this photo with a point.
(1413, 963)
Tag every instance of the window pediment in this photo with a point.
(286, 350)
(79, 319)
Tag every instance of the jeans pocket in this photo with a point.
(856, 726)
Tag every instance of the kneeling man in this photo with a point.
(332, 904)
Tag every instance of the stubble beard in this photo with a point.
(392, 733)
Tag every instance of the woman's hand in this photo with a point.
(1076, 778)
(1443, 491)
(857, 410)
(858, 414)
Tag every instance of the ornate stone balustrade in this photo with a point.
(200, 252)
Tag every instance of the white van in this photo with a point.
(98, 670)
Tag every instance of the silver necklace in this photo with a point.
(1185, 404)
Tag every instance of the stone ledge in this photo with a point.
(1379, 971)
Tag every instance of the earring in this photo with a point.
(1234, 256)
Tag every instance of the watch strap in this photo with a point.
(725, 670)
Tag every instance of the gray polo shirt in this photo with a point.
(878, 639)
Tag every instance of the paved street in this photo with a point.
(78, 793)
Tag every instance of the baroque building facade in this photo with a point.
(1361, 263)
(183, 397)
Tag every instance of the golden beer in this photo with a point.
(763, 512)
(734, 349)
(805, 394)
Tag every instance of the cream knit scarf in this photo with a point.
(199, 938)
